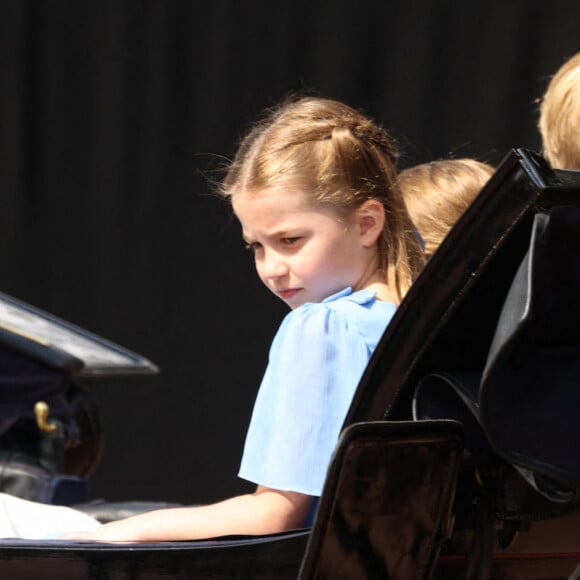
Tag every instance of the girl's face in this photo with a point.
(304, 253)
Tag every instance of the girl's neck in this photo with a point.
(383, 292)
(376, 282)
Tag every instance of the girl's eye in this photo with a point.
(290, 241)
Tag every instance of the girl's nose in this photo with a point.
(272, 266)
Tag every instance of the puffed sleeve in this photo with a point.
(316, 362)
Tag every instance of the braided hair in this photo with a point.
(342, 159)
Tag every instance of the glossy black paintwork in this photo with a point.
(387, 504)
(267, 558)
(445, 323)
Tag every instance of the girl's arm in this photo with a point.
(263, 512)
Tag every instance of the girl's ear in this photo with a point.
(371, 221)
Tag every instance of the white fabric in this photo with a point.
(20, 518)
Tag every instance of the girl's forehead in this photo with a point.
(274, 208)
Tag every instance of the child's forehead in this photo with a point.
(273, 208)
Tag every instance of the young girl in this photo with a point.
(313, 186)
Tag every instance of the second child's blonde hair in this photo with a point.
(559, 121)
(342, 159)
(437, 193)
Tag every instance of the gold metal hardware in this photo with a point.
(41, 411)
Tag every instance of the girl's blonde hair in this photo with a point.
(437, 193)
(340, 157)
(559, 121)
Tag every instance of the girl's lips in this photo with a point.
(288, 294)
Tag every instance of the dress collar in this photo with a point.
(360, 296)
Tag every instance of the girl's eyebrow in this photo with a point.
(282, 233)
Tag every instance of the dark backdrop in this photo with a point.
(115, 116)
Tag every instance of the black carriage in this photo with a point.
(459, 453)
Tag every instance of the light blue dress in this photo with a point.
(316, 361)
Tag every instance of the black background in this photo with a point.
(116, 115)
